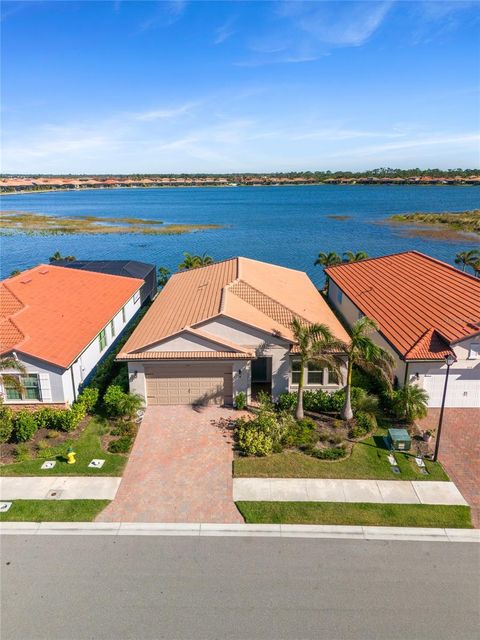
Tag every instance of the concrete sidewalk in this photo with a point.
(323, 490)
(430, 534)
(58, 488)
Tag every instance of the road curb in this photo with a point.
(240, 530)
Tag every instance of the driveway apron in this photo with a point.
(180, 469)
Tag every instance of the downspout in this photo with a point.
(73, 383)
(406, 373)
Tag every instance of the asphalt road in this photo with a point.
(152, 587)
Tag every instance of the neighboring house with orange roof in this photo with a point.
(425, 310)
(225, 328)
(60, 323)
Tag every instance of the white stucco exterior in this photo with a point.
(60, 386)
(463, 388)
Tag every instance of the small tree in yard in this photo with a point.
(316, 343)
(366, 355)
(119, 404)
(410, 403)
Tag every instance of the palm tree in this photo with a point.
(57, 256)
(316, 344)
(349, 256)
(163, 274)
(467, 258)
(366, 355)
(476, 268)
(7, 363)
(191, 261)
(327, 259)
(410, 402)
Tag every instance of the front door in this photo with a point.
(261, 375)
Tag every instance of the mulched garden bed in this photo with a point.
(8, 450)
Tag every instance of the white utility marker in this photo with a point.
(96, 464)
(48, 464)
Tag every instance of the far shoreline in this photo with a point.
(223, 186)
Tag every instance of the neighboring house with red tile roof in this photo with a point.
(60, 323)
(425, 310)
(225, 328)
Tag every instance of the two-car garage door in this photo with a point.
(196, 383)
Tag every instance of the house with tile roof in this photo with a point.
(60, 323)
(425, 310)
(219, 330)
(128, 268)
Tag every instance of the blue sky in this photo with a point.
(199, 86)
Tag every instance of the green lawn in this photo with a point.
(87, 447)
(368, 460)
(53, 510)
(360, 514)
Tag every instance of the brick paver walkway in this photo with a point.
(460, 451)
(180, 469)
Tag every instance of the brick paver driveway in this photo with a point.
(180, 469)
(460, 451)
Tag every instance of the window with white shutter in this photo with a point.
(45, 388)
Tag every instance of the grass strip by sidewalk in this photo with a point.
(358, 513)
(87, 447)
(368, 460)
(53, 510)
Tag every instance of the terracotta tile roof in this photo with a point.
(53, 313)
(262, 295)
(421, 305)
(186, 355)
(429, 345)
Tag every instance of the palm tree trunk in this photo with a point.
(299, 415)
(347, 413)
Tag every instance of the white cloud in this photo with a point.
(224, 31)
(306, 31)
(164, 114)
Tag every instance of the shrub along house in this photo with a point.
(425, 310)
(59, 323)
(219, 330)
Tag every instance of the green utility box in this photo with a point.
(399, 439)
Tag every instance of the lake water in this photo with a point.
(283, 225)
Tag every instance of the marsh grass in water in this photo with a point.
(13, 222)
(463, 221)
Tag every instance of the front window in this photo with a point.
(124, 315)
(102, 339)
(296, 371)
(30, 391)
(332, 377)
(315, 373)
(136, 297)
(112, 328)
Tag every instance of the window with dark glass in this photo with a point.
(102, 339)
(315, 373)
(296, 371)
(30, 391)
(332, 377)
